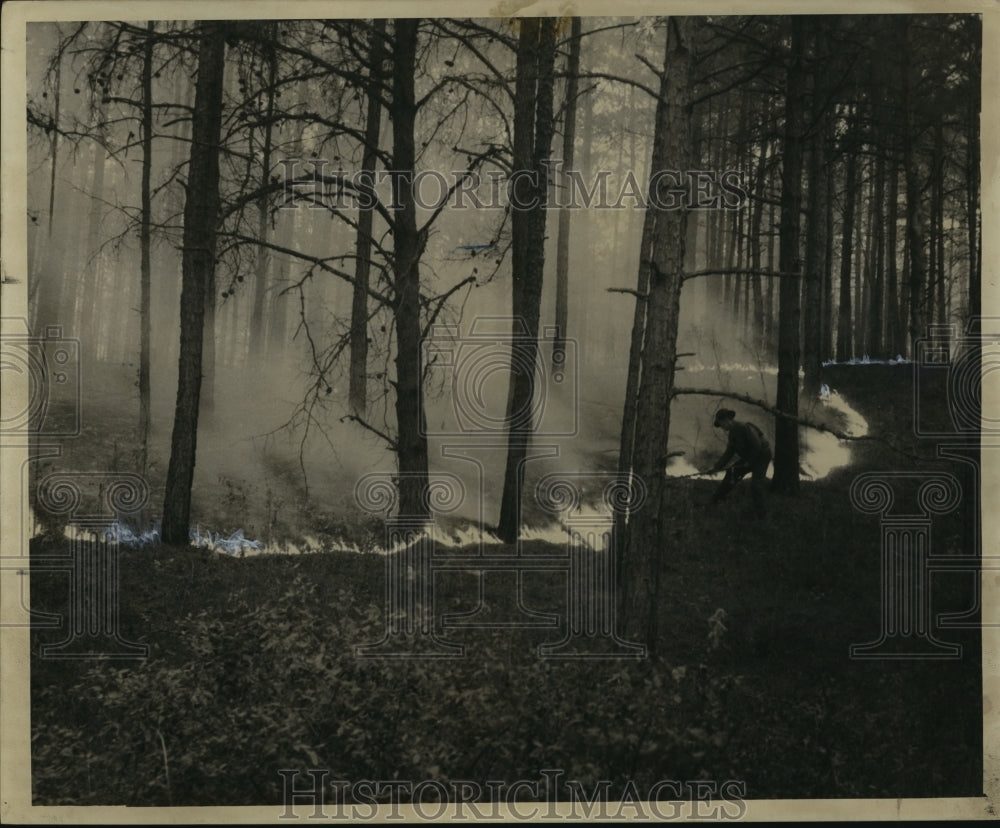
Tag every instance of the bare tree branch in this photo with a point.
(642, 297)
(368, 426)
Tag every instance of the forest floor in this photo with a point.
(252, 667)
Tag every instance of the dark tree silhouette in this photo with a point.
(917, 276)
(664, 262)
(815, 263)
(201, 212)
(260, 286)
(145, 243)
(786, 431)
(411, 443)
(358, 391)
(533, 130)
(565, 214)
(845, 336)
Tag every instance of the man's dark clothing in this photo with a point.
(747, 442)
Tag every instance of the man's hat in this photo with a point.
(724, 414)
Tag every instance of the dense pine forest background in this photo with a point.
(257, 332)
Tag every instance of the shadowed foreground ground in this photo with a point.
(251, 669)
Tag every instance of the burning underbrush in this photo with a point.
(256, 495)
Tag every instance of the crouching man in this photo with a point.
(746, 442)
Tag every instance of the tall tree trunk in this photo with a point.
(168, 282)
(772, 262)
(893, 329)
(358, 389)
(533, 129)
(260, 286)
(876, 314)
(619, 175)
(695, 223)
(626, 444)
(786, 431)
(972, 175)
(904, 298)
(88, 309)
(645, 534)
(868, 264)
(49, 289)
(745, 326)
(940, 268)
(860, 238)
(757, 208)
(411, 447)
(588, 134)
(568, 155)
(737, 287)
(727, 280)
(914, 209)
(717, 287)
(933, 266)
(207, 400)
(815, 264)
(277, 330)
(844, 332)
(826, 347)
(145, 229)
(736, 245)
(54, 142)
(201, 213)
(748, 240)
(629, 250)
(815, 269)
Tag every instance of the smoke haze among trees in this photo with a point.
(851, 145)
